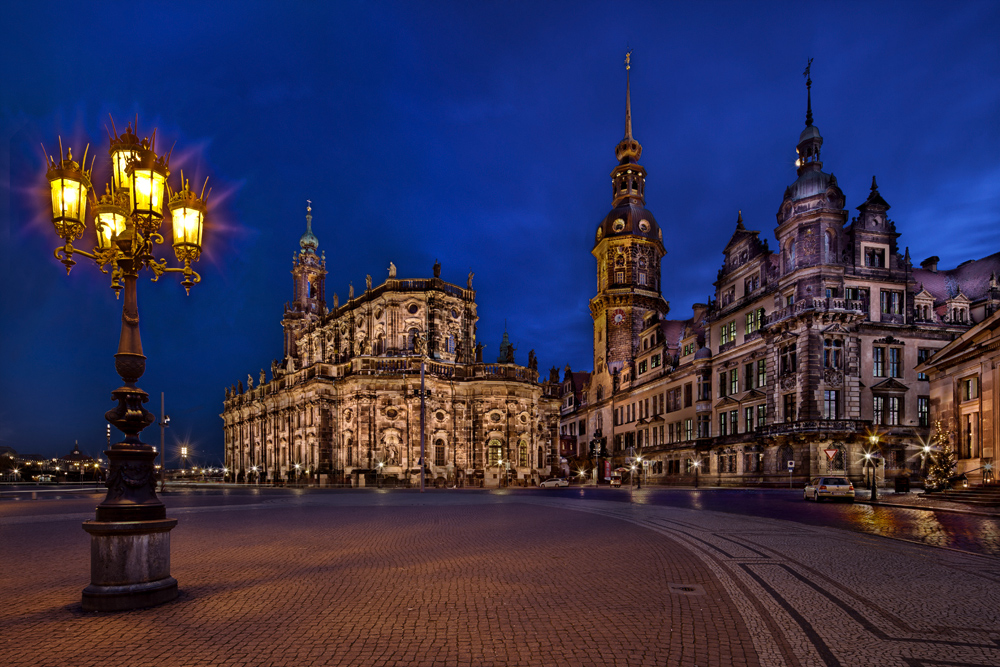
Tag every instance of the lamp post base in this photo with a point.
(129, 565)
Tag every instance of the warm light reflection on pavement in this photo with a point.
(975, 534)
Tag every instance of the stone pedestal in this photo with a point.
(129, 565)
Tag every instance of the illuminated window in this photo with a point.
(493, 453)
(970, 389)
(895, 367)
(878, 362)
(831, 402)
(893, 411)
(833, 353)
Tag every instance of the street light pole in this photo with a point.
(873, 458)
(164, 422)
(422, 435)
(130, 536)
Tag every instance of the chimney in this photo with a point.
(930, 263)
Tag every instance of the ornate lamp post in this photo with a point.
(130, 538)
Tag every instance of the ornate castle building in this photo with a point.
(362, 384)
(805, 359)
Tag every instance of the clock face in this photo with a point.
(618, 316)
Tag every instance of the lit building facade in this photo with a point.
(965, 378)
(803, 353)
(344, 404)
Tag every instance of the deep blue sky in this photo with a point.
(481, 134)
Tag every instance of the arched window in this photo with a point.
(451, 344)
(522, 451)
(493, 453)
(838, 460)
(541, 458)
(350, 452)
(439, 458)
(827, 246)
(411, 338)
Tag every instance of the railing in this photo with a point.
(822, 304)
(813, 426)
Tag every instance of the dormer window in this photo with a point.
(875, 258)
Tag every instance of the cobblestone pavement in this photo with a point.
(489, 579)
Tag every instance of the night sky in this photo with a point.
(479, 134)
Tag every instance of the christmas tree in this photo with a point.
(943, 461)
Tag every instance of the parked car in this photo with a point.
(553, 482)
(836, 488)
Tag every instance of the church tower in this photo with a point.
(628, 247)
(308, 287)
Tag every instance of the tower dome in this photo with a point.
(309, 242)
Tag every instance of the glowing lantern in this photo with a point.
(187, 211)
(69, 184)
(147, 176)
(109, 221)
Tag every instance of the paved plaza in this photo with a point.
(472, 578)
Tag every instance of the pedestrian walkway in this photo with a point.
(928, 501)
(492, 579)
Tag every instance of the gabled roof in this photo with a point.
(890, 385)
(727, 400)
(740, 234)
(954, 350)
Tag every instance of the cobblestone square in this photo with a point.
(486, 579)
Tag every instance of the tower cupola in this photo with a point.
(810, 140)
(309, 242)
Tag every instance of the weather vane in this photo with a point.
(805, 74)
(628, 59)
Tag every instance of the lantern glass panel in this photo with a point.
(69, 200)
(109, 224)
(147, 191)
(187, 225)
(120, 160)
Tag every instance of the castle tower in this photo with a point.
(308, 287)
(628, 247)
(811, 216)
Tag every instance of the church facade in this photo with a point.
(803, 363)
(362, 385)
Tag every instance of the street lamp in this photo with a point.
(697, 467)
(872, 457)
(130, 538)
(378, 476)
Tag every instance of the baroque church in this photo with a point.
(362, 386)
(805, 360)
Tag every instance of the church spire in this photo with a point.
(628, 150)
(628, 96)
(809, 85)
(309, 242)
